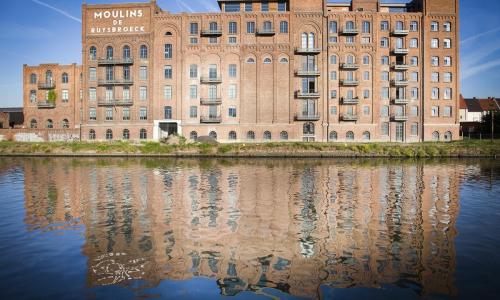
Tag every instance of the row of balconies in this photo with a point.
(218, 32)
(305, 116)
(115, 61)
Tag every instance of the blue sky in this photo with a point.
(43, 31)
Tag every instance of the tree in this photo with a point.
(52, 96)
(486, 123)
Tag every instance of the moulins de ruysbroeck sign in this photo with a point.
(118, 21)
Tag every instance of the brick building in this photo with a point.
(263, 71)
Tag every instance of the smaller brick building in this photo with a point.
(11, 117)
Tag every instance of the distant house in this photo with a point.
(11, 117)
(472, 111)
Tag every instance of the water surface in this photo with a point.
(249, 229)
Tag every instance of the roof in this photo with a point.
(16, 117)
(480, 105)
(11, 109)
(489, 104)
(473, 105)
(463, 105)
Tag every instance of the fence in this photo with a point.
(40, 135)
(480, 136)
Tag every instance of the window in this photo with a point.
(143, 73)
(284, 60)
(213, 135)
(264, 6)
(232, 91)
(414, 76)
(92, 74)
(193, 28)
(308, 128)
(92, 114)
(250, 135)
(33, 78)
(366, 94)
(232, 70)
(91, 134)
(333, 75)
(283, 135)
(414, 93)
(109, 114)
(333, 136)
(32, 96)
(366, 27)
(447, 136)
(384, 42)
(143, 113)
(250, 27)
(248, 7)
(366, 60)
(232, 112)
(384, 111)
(267, 60)
(193, 136)
(384, 26)
(332, 27)
(414, 43)
(267, 135)
(126, 134)
(281, 6)
(435, 77)
(333, 110)
(414, 61)
(385, 93)
(349, 39)
(193, 91)
(365, 40)
(447, 43)
(193, 40)
(333, 94)
(447, 77)
(413, 26)
(268, 26)
(126, 114)
(167, 92)
(447, 26)
(92, 94)
(434, 26)
(366, 110)
(143, 93)
(232, 26)
(366, 136)
(168, 72)
(126, 52)
(193, 112)
(414, 129)
(435, 93)
(193, 71)
(435, 136)
(447, 94)
(232, 7)
(168, 51)
(349, 136)
(232, 135)
(414, 111)
(143, 134)
(333, 59)
(447, 61)
(399, 25)
(366, 75)
(232, 40)
(168, 112)
(332, 39)
(434, 43)
(126, 72)
(435, 111)
(143, 52)
(109, 134)
(435, 61)
(283, 27)
(93, 53)
(349, 25)
(64, 95)
(385, 60)
(447, 111)
(109, 52)
(64, 78)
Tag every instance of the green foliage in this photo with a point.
(52, 96)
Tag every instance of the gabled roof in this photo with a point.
(473, 105)
(11, 109)
(489, 104)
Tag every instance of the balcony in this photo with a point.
(211, 79)
(349, 66)
(210, 101)
(349, 82)
(401, 101)
(115, 61)
(46, 104)
(400, 51)
(302, 72)
(102, 82)
(46, 85)
(210, 119)
(266, 31)
(305, 116)
(307, 50)
(349, 100)
(400, 32)
(307, 94)
(350, 31)
(399, 118)
(211, 32)
(349, 117)
(400, 67)
(115, 102)
(399, 82)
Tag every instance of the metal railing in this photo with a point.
(354, 100)
(210, 79)
(211, 32)
(349, 117)
(210, 119)
(349, 66)
(115, 61)
(265, 31)
(350, 31)
(210, 101)
(115, 102)
(307, 50)
(307, 94)
(303, 72)
(115, 81)
(46, 85)
(349, 82)
(305, 116)
(46, 104)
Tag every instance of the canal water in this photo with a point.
(249, 229)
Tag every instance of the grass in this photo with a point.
(418, 150)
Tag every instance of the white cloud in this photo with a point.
(183, 5)
(469, 72)
(480, 35)
(58, 10)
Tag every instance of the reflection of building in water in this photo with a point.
(256, 224)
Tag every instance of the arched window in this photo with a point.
(366, 60)
(284, 60)
(267, 60)
(213, 135)
(232, 135)
(50, 123)
(311, 42)
(109, 52)
(333, 136)
(93, 54)
(349, 135)
(126, 134)
(349, 25)
(435, 136)
(267, 135)
(65, 78)
(251, 135)
(366, 136)
(143, 53)
(126, 52)
(308, 128)
(447, 136)
(213, 26)
(33, 78)
(48, 76)
(250, 60)
(143, 134)
(399, 25)
(168, 33)
(91, 134)
(32, 96)
(350, 59)
(65, 123)
(284, 135)
(193, 136)
(33, 124)
(109, 134)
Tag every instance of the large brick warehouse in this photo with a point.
(297, 70)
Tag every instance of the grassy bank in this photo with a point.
(455, 149)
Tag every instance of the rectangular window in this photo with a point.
(384, 26)
(435, 61)
(92, 114)
(109, 93)
(126, 72)
(414, 43)
(193, 92)
(435, 111)
(414, 111)
(248, 7)
(447, 94)
(232, 27)
(281, 6)
(333, 75)
(92, 94)
(232, 40)
(232, 70)
(143, 113)
(65, 95)
(212, 40)
(366, 94)
(435, 93)
(193, 28)
(434, 43)
(434, 26)
(109, 114)
(384, 111)
(232, 112)
(385, 93)
(143, 93)
(435, 77)
(167, 92)
(384, 76)
(414, 76)
(447, 61)
(168, 51)
(447, 77)
(283, 27)
(414, 129)
(193, 112)
(366, 110)
(333, 110)
(168, 72)
(168, 112)
(333, 39)
(414, 26)
(332, 27)
(414, 93)
(264, 6)
(143, 73)
(366, 27)
(193, 71)
(333, 94)
(447, 43)
(232, 7)
(447, 111)
(250, 27)
(193, 40)
(366, 75)
(232, 91)
(366, 40)
(92, 74)
(385, 60)
(349, 39)
(126, 93)
(126, 114)
(385, 128)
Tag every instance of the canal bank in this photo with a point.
(285, 150)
